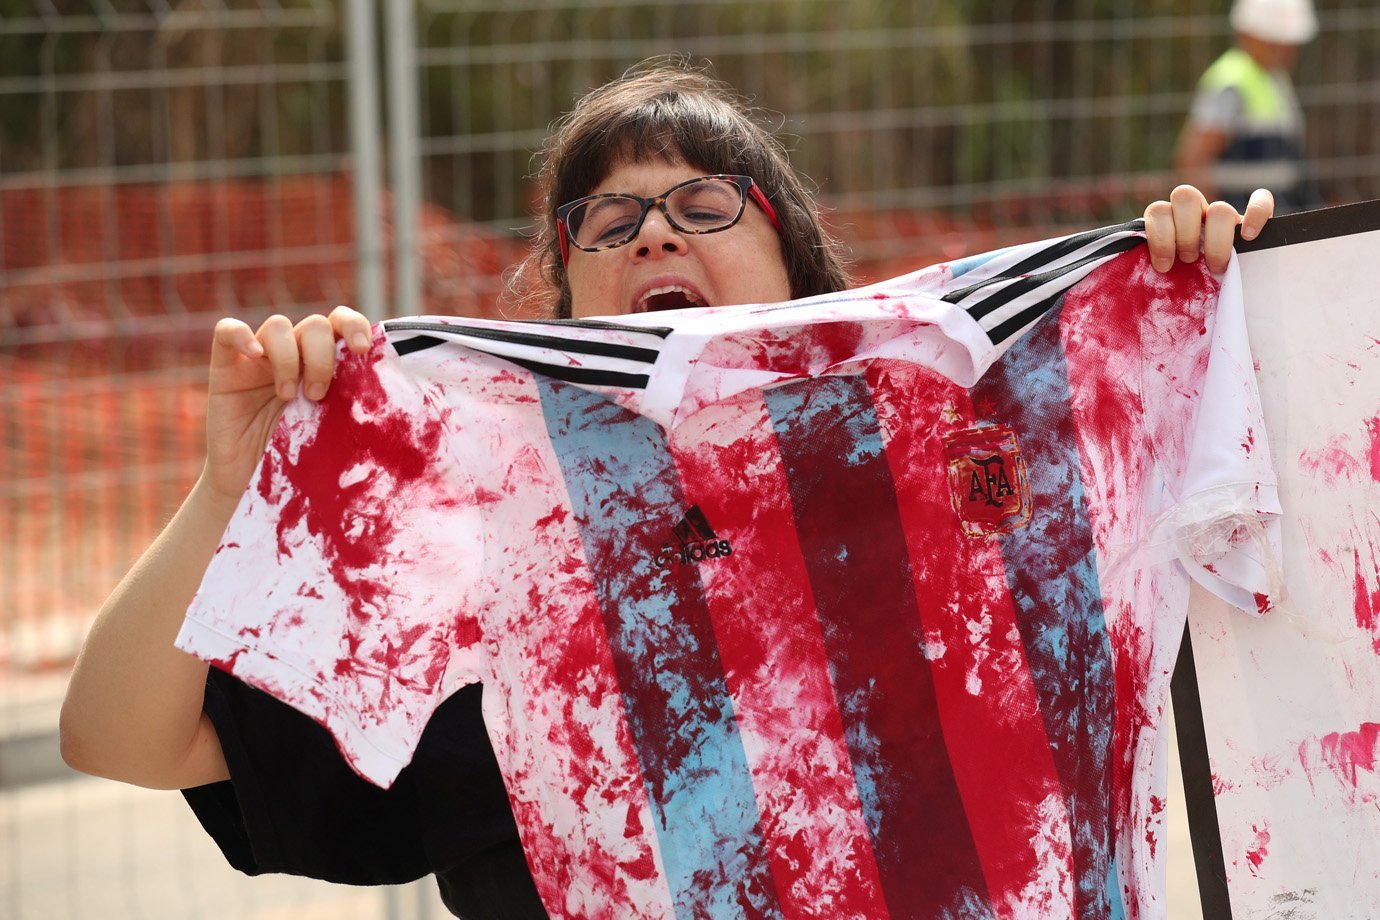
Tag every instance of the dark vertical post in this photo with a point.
(1203, 828)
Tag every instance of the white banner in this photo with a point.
(1291, 703)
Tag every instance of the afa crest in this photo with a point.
(987, 480)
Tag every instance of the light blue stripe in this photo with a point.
(1114, 893)
(626, 496)
(960, 267)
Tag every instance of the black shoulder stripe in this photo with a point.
(416, 343)
(584, 375)
(660, 332)
(1071, 244)
(1007, 328)
(1000, 298)
(579, 346)
(1057, 250)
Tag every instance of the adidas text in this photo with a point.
(692, 553)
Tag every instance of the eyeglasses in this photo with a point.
(707, 204)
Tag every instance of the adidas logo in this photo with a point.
(695, 541)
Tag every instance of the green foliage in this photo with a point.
(880, 96)
(124, 85)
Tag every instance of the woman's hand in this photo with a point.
(133, 706)
(1186, 225)
(254, 373)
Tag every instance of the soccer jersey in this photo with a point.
(857, 606)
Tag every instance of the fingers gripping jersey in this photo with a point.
(858, 606)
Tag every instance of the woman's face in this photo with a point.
(662, 268)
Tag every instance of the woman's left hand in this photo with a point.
(1186, 226)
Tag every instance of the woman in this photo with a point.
(634, 220)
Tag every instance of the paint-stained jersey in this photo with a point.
(861, 606)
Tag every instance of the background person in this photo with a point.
(268, 783)
(1246, 129)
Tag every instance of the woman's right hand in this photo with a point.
(254, 373)
(133, 709)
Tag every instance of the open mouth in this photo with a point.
(670, 297)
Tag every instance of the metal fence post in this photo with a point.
(404, 154)
(365, 145)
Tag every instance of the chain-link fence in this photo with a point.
(165, 162)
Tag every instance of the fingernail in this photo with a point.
(359, 341)
(1248, 232)
(1161, 265)
(316, 390)
(287, 390)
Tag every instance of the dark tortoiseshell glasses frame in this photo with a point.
(744, 184)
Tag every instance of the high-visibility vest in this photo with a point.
(1265, 146)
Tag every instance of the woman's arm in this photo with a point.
(133, 706)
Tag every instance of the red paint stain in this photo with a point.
(1152, 838)
(1248, 444)
(1347, 752)
(1367, 604)
(632, 826)
(559, 515)
(466, 633)
(1262, 602)
(1256, 852)
(483, 495)
(337, 479)
(1120, 412)
(794, 355)
(1373, 454)
(227, 664)
(1332, 461)
(1345, 755)
(1271, 771)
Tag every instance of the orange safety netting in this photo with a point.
(107, 298)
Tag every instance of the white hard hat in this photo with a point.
(1285, 22)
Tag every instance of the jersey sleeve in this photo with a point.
(344, 584)
(1225, 524)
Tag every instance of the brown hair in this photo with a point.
(669, 109)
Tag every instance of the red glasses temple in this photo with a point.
(760, 197)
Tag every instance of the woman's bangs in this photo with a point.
(674, 129)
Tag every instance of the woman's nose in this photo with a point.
(656, 237)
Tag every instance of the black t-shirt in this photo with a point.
(294, 806)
